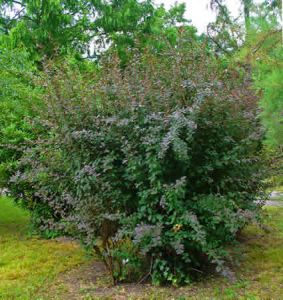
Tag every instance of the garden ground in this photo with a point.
(31, 268)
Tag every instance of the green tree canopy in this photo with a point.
(264, 51)
(255, 43)
(51, 27)
(17, 99)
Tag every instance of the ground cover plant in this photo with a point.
(27, 263)
(156, 166)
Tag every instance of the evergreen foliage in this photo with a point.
(17, 97)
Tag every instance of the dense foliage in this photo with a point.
(155, 166)
(84, 28)
(264, 53)
(17, 97)
(259, 45)
(266, 58)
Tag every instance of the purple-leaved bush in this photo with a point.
(156, 166)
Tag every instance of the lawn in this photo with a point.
(28, 264)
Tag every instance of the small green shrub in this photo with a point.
(165, 154)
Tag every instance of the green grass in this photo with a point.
(278, 188)
(28, 264)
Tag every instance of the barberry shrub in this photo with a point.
(156, 166)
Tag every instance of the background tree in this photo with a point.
(264, 52)
(46, 27)
(17, 99)
(127, 24)
(260, 52)
(86, 27)
(226, 33)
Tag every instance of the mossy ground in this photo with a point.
(29, 267)
(27, 263)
